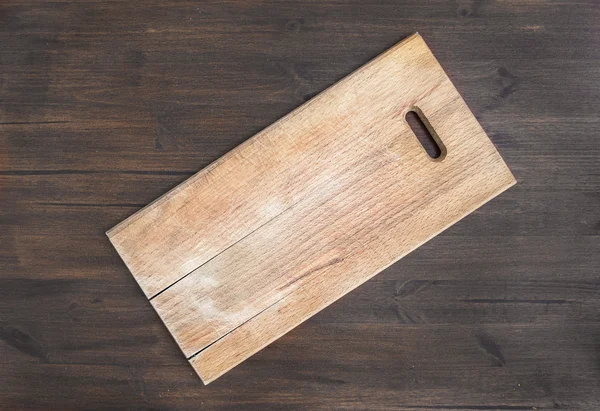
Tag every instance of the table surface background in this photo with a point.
(105, 105)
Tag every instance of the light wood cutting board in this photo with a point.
(309, 208)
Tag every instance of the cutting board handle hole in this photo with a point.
(422, 129)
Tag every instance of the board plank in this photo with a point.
(309, 208)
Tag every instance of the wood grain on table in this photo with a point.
(104, 106)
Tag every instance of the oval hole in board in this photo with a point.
(422, 130)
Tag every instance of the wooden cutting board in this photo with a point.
(309, 208)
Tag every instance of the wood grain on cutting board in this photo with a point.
(309, 208)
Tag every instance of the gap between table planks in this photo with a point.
(309, 208)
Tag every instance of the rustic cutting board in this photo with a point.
(309, 208)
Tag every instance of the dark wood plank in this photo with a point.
(105, 105)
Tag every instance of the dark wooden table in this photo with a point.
(105, 105)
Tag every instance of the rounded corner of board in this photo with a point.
(203, 377)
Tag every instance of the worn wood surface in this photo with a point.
(104, 106)
(309, 208)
